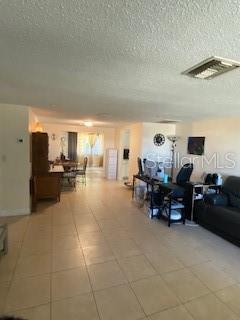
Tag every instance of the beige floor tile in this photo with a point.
(178, 313)
(105, 275)
(67, 260)
(37, 313)
(125, 248)
(164, 262)
(185, 284)
(88, 227)
(7, 266)
(231, 297)
(154, 295)
(137, 267)
(98, 254)
(64, 230)
(84, 219)
(16, 235)
(118, 234)
(109, 224)
(70, 283)
(92, 239)
(4, 287)
(62, 219)
(37, 234)
(44, 220)
(33, 265)
(68, 242)
(139, 244)
(28, 292)
(214, 278)
(190, 257)
(209, 307)
(38, 246)
(80, 307)
(118, 303)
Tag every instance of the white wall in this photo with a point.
(149, 150)
(32, 120)
(14, 160)
(135, 147)
(141, 144)
(222, 141)
(122, 142)
(60, 129)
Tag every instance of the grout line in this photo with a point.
(14, 269)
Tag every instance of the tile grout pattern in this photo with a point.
(95, 255)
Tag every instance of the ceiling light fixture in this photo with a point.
(88, 123)
(211, 68)
(38, 127)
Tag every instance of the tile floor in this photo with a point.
(96, 256)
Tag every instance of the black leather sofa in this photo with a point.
(220, 213)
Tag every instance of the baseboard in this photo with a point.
(14, 212)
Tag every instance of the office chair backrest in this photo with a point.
(184, 174)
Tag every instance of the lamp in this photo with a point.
(38, 127)
(88, 123)
(174, 140)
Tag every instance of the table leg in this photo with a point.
(151, 203)
(170, 209)
(133, 187)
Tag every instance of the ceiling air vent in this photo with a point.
(168, 121)
(211, 68)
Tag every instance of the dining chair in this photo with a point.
(82, 172)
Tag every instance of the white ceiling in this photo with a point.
(118, 60)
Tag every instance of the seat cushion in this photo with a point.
(177, 191)
(224, 219)
(231, 188)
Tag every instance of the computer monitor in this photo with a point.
(140, 168)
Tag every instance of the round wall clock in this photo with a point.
(159, 139)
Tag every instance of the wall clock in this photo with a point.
(159, 139)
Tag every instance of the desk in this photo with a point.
(149, 182)
(166, 190)
(47, 186)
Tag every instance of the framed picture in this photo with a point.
(196, 145)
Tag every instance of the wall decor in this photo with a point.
(196, 145)
(159, 139)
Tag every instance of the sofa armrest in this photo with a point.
(216, 199)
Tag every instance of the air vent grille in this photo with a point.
(168, 121)
(211, 68)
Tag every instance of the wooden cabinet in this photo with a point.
(45, 184)
(39, 153)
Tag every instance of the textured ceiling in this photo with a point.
(118, 60)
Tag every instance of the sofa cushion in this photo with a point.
(234, 201)
(225, 219)
(231, 188)
(216, 199)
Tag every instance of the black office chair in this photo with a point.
(184, 174)
(183, 177)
